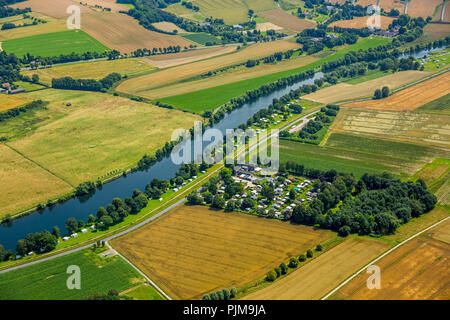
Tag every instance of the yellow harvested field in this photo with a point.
(111, 4)
(193, 250)
(125, 34)
(321, 275)
(362, 22)
(287, 21)
(98, 133)
(418, 270)
(25, 184)
(168, 27)
(416, 8)
(411, 98)
(163, 78)
(92, 70)
(345, 91)
(175, 59)
(229, 77)
(420, 128)
(442, 232)
(265, 26)
(52, 8)
(11, 101)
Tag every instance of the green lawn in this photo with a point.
(439, 106)
(200, 38)
(54, 44)
(47, 280)
(211, 98)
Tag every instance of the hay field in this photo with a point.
(435, 31)
(321, 275)
(421, 128)
(175, 59)
(232, 11)
(52, 8)
(438, 106)
(412, 97)
(287, 21)
(98, 134)
(24, 183)
(125, 34)
(168, 27)
(416, 8)
(193, 250)
(229, 77)
(442, 232)
(361, 22)
(265, 26)
(11, 101)
(345, 91)
(92, 70)
(112, 4)
(419, 270)
(141, 85)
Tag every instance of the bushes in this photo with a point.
(223, 294)
(11, 113)
(86, 84)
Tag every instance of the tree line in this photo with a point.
(14, 112)
(86, 84)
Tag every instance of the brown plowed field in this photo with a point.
(193, 250)
(361, 22)
(287, 21)
(52, 8)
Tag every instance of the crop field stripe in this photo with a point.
(382, 256)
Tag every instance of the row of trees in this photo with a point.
(14, 112)
(381, 94)
(86, 84)
(223, 294)
(283, 269)
(6, 11)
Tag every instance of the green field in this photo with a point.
(438, 106)
(144, 292)
(358, 155)
(200, 38)
(47, 280)
(57, 43)
(211, 98)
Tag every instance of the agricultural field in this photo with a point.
(417, 270)
(92, 70)
(168, 27)
(361, 22)
(346, 91)
(321, 275)
(231, 11)
(11, 101)
(359, 155)
(193, 250)
(143, 292)
(435, 31)
(142, 85)
(175, 59)
(201, 38)
(111, 4)
(437, 176)
(412, 127)
(25, 183)
(97, 134)
(55, 9)
(47, 280)
(442, 232)
(265, 26)
(287, 21)
(64, 42)
(412, 97)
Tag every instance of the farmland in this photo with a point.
(47, 280)
(345, 91)
(168, 27)
(55, 9)
(358, 155)
(287, 21)
(413, 127)
(11, 101)
(417, 270)
(179, 251)
(361, 22)
(438, 106)
(200, 38)
(24, 183)
(232, 11)
(416, 8)
(315, 279)
(64, 42)
(98, 134)
(92, 70)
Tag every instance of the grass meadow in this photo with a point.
(64, 42)
(200, 38)
(47, 280)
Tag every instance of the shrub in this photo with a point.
(309, 253)
(319, 247)
(293, 263)
(271, 276)
(302, 258)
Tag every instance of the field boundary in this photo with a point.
(380, 257)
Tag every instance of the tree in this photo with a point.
(226, 294)
(292, 194)
(106, 221)
(101, 212)
(21, 247)
(91, 219)
(302, 258)
(207, 196)
(56, 232)
(47, 242)
(206, 297)
(81, 224)
(2, 253)
(284, 268)
(35, 78)
(309, 253)
(71, 225)
(319, 247)
(377, 94)
(293, 263)
(218, 202)
(214, 296)
(233, 292)
(385, 92)
(271, 276)
(344, 231)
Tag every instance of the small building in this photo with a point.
(238, 27)
(15, 91)
(84, 231)
(74, 235)
(65, 238)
